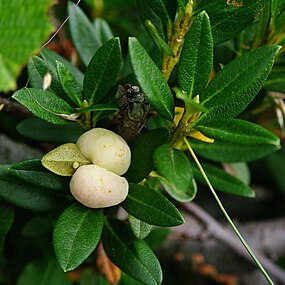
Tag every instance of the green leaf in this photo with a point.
(102, 30)
(82, 33)
(142, 151)
(43, 104)
(25, 195)
(76, 235)
(238, 131)
(69, 83)
(21, 36)
(196, 60)
(227, 19)
(102, 71)
(99, 108)
(52, 57)
(64, 160)
(151, 207)
(235, 86)
(6, 221)
(151, 80)
(223, 181)
(38, 129)
(43, 272)
(140, 229)
(131, 255)
(240, 170)
(34, 173)
(182, 4)
(178, 179)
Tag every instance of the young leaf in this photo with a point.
(82, 33)
(225, 15)
(43, 272)
(25, 195)
(102, 30)
(177, 172)
(140, 229)
(196, 60)
(69, 83)
(6, 221)
(102, 71)
(43, 104)
(151, 80)
(223, 181)
(235, 86)
(151, 207)
(34, 173)
(64, 160)
(38, 129)
(131, 255)
(142, 151)
(76, 235)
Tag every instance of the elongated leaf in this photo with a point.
(6, 221)
(133, 256)
(235, 86)
(69, 83)
(175, 167)
(34, 173)
(38, 129)
(151, 207)
(102, 71)
(140, 229)
(142, 153)
(64, 160)
(223, 181)
(76, 235)
(43, 104)
(98, 108)
(196, 60)
(24, 195)
(21, 36)
(83, 33)
(151, 80)
(102, 30)
(238, 131)
(225, 15)
(43, 272)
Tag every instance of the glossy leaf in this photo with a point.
(6, 221)
(142, 153)
(24, 195)
(38, 129)
(102, 30)
(76, 235)
(43, 272)
(235, 86)
(176, 171)
(140, 229)
(82, 33)
(228, 18)
(223, 181)
(151, 207)
(102, 71)
(133, 256)
(69, 83)
(34, 173)
(151, 80)
(64, 160)
(43, 104)
(196, 60)
(239, 132)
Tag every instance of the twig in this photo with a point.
(218, 231)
